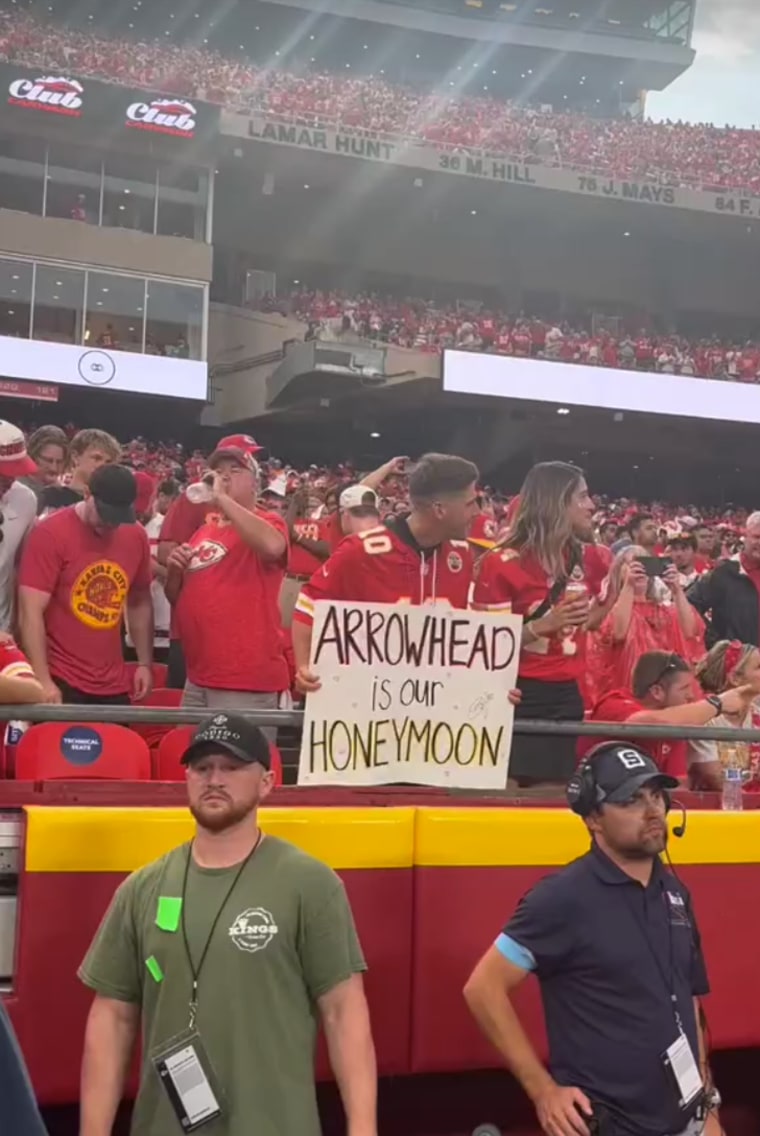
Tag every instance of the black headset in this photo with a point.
(584, 795)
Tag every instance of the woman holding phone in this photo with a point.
(650, 613)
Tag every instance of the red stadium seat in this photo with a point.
(153, 732)
(173, 745)
(167, 761)
(160, 674)
(68, 750)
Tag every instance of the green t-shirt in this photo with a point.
(284, 938)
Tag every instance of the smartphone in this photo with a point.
(654, 565)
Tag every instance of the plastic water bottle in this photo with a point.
(733, 779)
(201, 492)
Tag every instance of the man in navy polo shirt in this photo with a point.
(614, 944)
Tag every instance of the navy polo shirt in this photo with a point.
(608, 953)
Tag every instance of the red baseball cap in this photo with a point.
(14, 460)
(240, 446)
(145, 488)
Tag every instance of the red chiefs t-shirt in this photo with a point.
(508, 581)
(385, 565)
(183, 518)
(88, 577)
(301, 561)
(618, 706)
(228, 613)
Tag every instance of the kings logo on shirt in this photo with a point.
(253, 930)
(205, 554)
(99, 594)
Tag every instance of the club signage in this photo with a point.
(54, 95)
(163, 116)
(102, 109)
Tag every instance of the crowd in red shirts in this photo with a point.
(220, 582)
(674, 154)
(430, 327)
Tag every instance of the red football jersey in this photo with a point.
(385, 565)
(508, 581)
(619, 706)
(302, 562)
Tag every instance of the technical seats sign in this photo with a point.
(163, 116)
(88, 111)
(55, 95)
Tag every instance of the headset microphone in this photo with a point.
(679, 830)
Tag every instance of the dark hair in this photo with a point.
(46, 436)
(656, 668)
(168, 487)
(636, 521)
(438, 475)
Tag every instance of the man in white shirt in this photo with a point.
(18, 508)
(166, 493)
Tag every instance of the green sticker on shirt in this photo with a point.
(168, 913)
(154, 969)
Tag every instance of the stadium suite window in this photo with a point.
(182, 202)
(22, 174)
(15, 297)
(174, 319)
(115, 311)
(129, 192)
(74, 183)
(58, 312)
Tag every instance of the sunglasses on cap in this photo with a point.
(673, 664)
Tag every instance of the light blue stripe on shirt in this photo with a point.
(514, 953)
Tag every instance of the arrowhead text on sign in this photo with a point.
(411, 694)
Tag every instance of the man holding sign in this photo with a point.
(421, 558)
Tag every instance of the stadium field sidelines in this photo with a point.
(123, 839)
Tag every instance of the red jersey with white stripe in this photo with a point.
(386, 565)
(510, 582)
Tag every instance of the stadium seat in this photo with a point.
(167, 761)
(68, 750)
(160, 674)
(153, 732)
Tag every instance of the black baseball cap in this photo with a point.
(620, 770)
(232, 734)
(114, 491)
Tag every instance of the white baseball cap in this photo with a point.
(14, 460)
(358, 497)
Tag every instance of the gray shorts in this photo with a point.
(207, 698)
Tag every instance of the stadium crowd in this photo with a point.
(671, 154)
(424, 326)
(231, 545)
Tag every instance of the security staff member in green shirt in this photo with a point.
(228, 949)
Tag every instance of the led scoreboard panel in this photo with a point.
(575, 384)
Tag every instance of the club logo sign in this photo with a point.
(163, 116)
(53, 94)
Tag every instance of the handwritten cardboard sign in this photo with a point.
(409, 694)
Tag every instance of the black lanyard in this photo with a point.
(669, 982)
(196, 970)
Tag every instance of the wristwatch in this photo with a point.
(713, 1100)
(716, 701)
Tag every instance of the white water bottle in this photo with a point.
(733, 779)
(201, 492)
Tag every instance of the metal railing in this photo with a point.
(159, 715)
